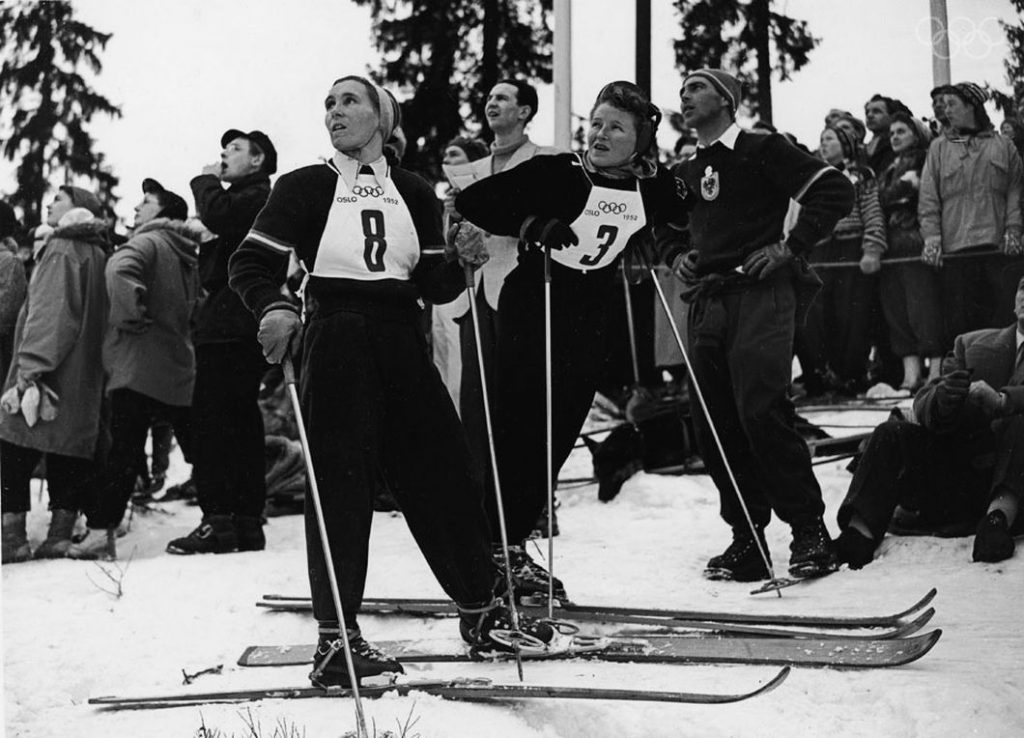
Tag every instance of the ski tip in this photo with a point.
(774, 681)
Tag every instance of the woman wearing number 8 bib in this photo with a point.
(372, 401)
(590, 210)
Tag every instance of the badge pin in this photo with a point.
(709, 184)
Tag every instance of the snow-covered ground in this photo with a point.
(65, 640)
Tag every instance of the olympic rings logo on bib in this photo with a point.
(361, 191)
(615, 208)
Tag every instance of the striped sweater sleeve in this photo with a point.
(871, 216)
(258, 268)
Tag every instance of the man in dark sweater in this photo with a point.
(746, 279)
(228, 463)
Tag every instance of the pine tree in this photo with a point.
(49, 102)
(447, 55)
(741, 37)
(1013, 105)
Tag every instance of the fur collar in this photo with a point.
(181, 227)
(95, 232)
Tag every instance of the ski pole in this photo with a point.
(475, 319)
(548, 412)
(289, 378)
(714, 431)
(629, 325)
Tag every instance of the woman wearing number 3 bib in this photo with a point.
(372, 401)
(589, 210)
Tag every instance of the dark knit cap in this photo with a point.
(970, 93)
(851, 148)
(724, 83)
(473, 148)
(171, 205)
(82, 198)
(258, 139)
(857, 123)
(919, 127)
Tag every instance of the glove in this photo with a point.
(870, 262)
(280, 334)
(766, 260)
(549, 232)
(450, 212)
(465, 242)
(931, 254)
(1012, 245)
(685, 267)
(11, 401)
(982, 395)
(952, 391)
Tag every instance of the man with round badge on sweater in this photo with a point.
(744, 276)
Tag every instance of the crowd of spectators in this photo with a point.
(105, 338)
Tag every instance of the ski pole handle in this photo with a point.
(288, 368)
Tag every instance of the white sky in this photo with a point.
(185, 71)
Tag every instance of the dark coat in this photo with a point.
(229, 213)
(59, 341)
(991, 353)
(153, 283)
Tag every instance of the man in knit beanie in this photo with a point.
(744, 274)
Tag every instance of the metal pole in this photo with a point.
(939, 27)
(471, 294)
(714, 432)
(289, 378)
(629, 325)
(548, 410)
(562, 73)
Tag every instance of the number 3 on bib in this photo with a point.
(606, 234)
(374, 243)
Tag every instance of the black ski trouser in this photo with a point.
(837, 331)
(373, 401)
(67, 478)
(936, 474)
(228, 463)
(741, 348)
(131, 415)
(580, 357)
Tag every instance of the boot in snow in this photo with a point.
(15, 539)
(741, 561)
(97, 544)
(58, 538)
(216, 534)
(330, 668)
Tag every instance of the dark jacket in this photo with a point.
(59, 341)
(229, 213)
(898, 191)
(153, 283)
(992, 354)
